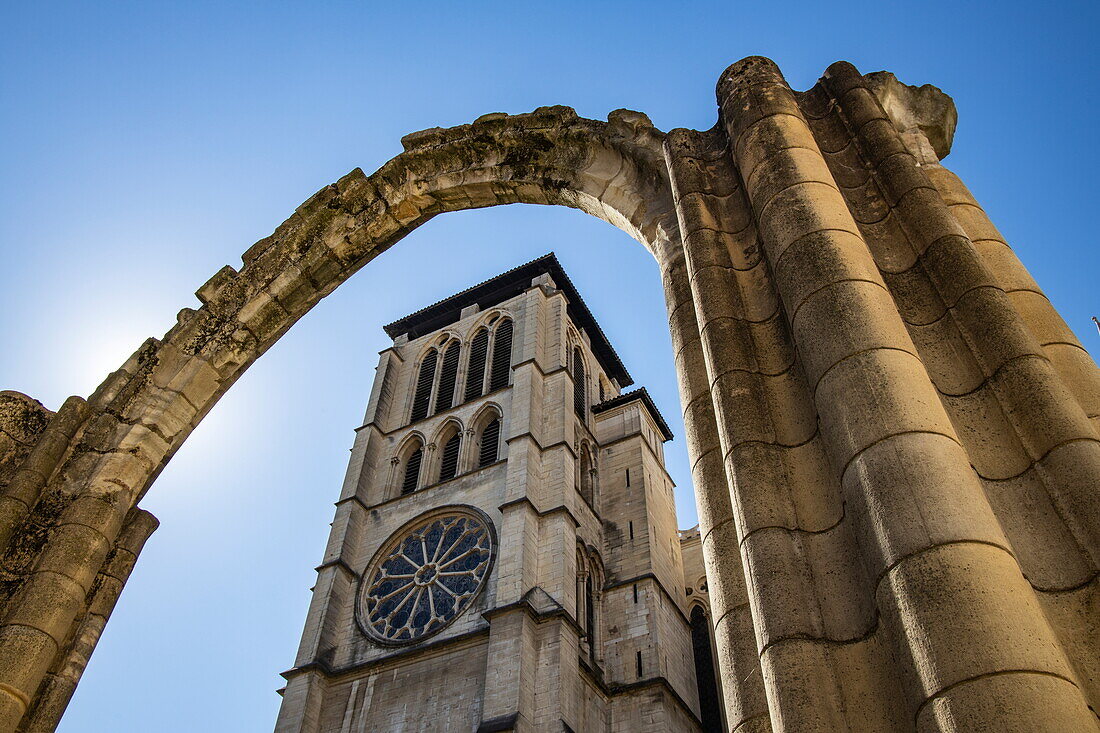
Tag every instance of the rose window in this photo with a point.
(425, 576)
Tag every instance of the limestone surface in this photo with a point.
(893, 434)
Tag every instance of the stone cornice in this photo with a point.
(559, 509)
(437, 646)
(625, 688)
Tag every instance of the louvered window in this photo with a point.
(411, 478)
(424, 382)
(448, 374)
(502, 356)
(448, 467)
(475, 375)
(603, 394)
(490, 444)
(578, 383)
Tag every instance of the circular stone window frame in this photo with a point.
(393, 541)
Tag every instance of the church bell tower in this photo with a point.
(505, 554)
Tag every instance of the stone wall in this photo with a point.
(893, 435)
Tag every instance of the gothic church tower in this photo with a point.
(505, 554)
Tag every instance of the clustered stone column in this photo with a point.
(893, 435)
(861, 356)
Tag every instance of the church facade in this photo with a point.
(505, 552)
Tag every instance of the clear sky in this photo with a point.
(145, 145)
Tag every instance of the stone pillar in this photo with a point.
(41, 614)
(701, 178)
(1076, 368)
(1008, 357)
(60, 683)
(22, 492)
(967, 630)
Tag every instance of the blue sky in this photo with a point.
(145, 145)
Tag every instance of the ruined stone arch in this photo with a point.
(144, 411)
(875, 392)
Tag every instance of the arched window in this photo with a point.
(489, 449)
(582, 591)
(589, 610)
(448, 375)
(448, 464)
(410, 478)
(710, 711)
(589, 583)
(586, 480)
(424, 381)
(603, 391)
(502, 356)
(579, 401)
(475, 373)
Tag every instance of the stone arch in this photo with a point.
(484, 414)
(446, 428)
(440, 340)
(142, 413)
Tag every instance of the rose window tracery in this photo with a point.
(425, 576)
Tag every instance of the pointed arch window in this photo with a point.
(448, 375)
(448, 465)
(410, 479)
(424, 381)
(709, 706)
(586, 482)
(475, 373)
(588, 588)
(502, 356)
(579, 397)
(490, 443)
(582, 576)
(590, 614)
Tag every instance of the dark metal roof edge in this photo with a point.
(402, 325)
(522, 274)
(638, 394)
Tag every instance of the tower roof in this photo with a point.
(508, 285)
